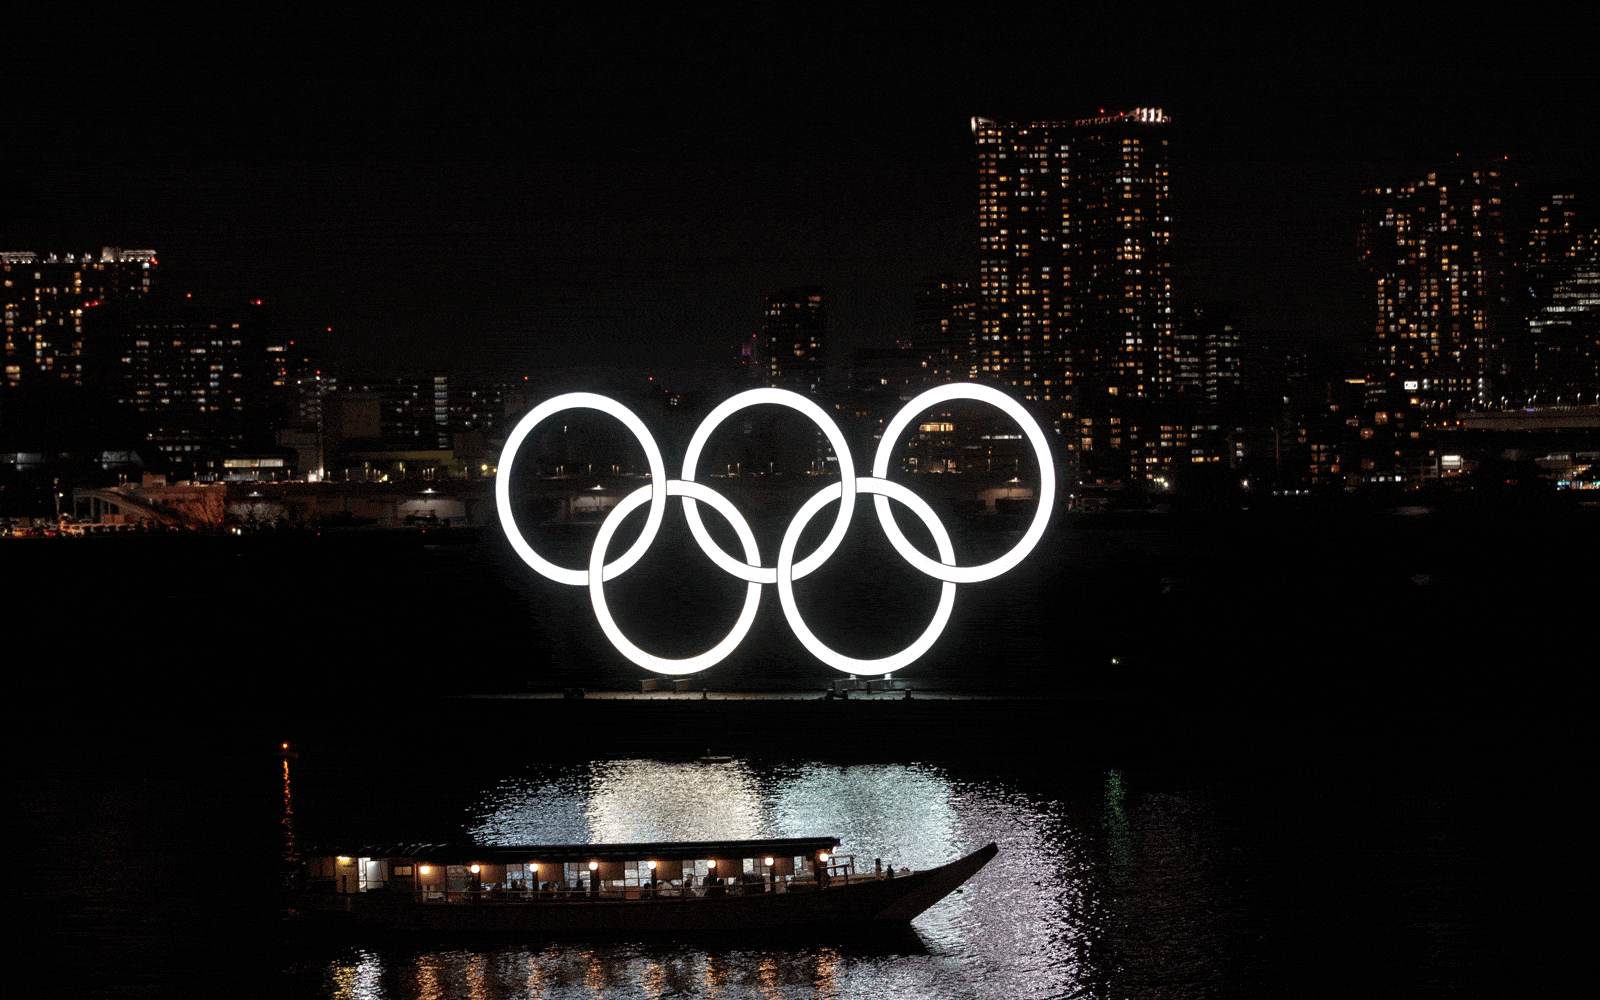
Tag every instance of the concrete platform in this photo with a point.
(590, 695)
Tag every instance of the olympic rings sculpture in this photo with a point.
(788, 568)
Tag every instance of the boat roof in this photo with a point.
(686, 850)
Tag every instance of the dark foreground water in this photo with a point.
(1331, 863)
(1334, 759)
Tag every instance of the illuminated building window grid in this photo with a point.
(1023, 322)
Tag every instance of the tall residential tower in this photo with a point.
(42, 303)
(790, 351)
(1075, 293)
(1436, 250)
(1562, 356)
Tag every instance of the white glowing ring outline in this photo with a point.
(1046, 492)
(597, 594)
(947, 590)
(847, 475)
(658, 477)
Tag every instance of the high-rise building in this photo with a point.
(199, 376)
(1207, 357)
(1436, 250)
(944, 328)
(42, 303)
(205, 361)
(1563, 349)
(1075, 294)
(295, 399)
(790, 353)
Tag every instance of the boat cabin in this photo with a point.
(445, 874)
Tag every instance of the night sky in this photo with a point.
(598, 200)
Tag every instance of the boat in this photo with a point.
(651, 888)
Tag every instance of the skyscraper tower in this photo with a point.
(1075, 294)
(1436, 250)
(944, 326)
(1562, 359)
(1207, 358)
(42, 303)
(791, 350)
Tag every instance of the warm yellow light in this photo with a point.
(711, 864)
(425, 870)
(474, 869)
(534, 868)
(652, 865)
(767, 862)
(823, 857)
(594, 865)
(343, 860)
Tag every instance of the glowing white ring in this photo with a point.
(947, 590)
(597, 593)
(847, 476)
(1046, 493)
(502, 486)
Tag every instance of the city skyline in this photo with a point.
(606, 191)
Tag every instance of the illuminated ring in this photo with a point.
(1047, 483)
(597, 593)
(947, 590)
(658, 477)
(847, 476)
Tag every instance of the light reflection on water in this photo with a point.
(621, 970)
(1107, 885)
(1017, 930)
(893, 812)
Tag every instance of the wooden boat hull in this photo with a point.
(863, 902)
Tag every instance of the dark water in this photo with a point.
(1308, 773)
(1379, 868)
